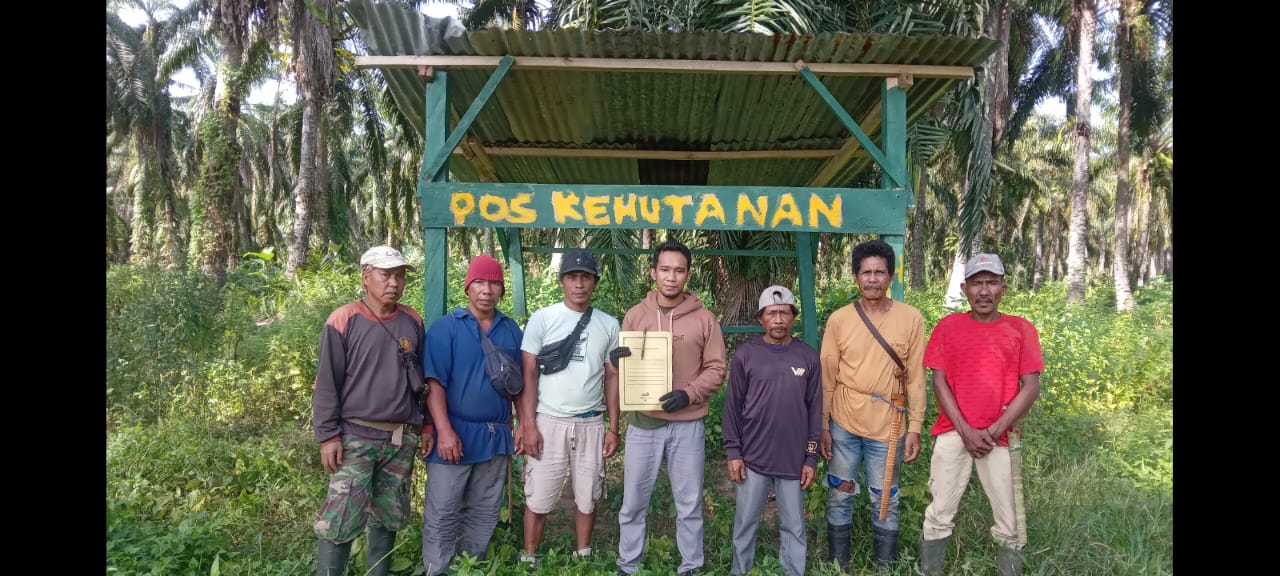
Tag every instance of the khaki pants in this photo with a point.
(949, 472)
(571, 450)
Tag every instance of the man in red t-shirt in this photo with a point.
(986, 374)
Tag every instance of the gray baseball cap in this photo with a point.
(775, 295)
(983, 263)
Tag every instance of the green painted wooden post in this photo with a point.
(515, 263)
(808, 300)
(893, 136)
(435, 267)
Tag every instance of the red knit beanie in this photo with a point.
(483, 267)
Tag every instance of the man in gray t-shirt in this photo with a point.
(561, 428)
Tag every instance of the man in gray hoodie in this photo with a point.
(675, 432)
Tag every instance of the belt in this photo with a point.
(396, 429)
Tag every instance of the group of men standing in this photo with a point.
(859, 402)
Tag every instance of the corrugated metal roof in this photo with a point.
(650, 110)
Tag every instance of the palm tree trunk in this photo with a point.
(211, 233)
(243, 240)
(142, 219)
(1146, 217)
(313, 59)
(998, 26)
(1037, 276)
(464, 243)
(322, 207)
(113, 233)
(916, 251)
(171, 249)
(265, 209)
(303, 191)
(488, 240)
(1085, 14)
(1120, 261)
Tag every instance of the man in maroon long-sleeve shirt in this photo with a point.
(772, 422)
(366, 417)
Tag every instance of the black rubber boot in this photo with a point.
(885, 544)
(933, 555)
(378, 552)
(331, 559)
(838, 544)
(1008, 561)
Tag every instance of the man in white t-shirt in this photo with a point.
(562, 406)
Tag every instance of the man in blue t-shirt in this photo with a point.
(468, 465)
(772, 423)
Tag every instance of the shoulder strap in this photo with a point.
(577, 330)
(858, 306)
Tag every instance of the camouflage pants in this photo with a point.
(372, 485)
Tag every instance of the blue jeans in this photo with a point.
(849, 453)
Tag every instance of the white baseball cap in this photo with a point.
(384, 257)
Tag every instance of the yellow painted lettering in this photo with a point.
(521, 213)
(650, 210)
(628, 209)
(597, 210)
(709, 208)
(757, 211)
(565, 206)
(787, 210)
(493, 208)
(461, 204)
(833, 211)
(677, 204)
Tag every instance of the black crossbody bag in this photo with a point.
(555, 357)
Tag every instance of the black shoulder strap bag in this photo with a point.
(555, 357)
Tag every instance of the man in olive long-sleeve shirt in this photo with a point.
(772, 422)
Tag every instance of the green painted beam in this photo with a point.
(849, 123)
(808, 300)
(781, 209)
(441, 157)
(896, 241)
(435, 269)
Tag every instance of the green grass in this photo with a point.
(211, 467)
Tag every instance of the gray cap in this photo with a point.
(579, 261)
(983, 263)
(775, 295)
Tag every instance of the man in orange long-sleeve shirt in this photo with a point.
(859, 379)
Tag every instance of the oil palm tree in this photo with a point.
(142, 61)
(236, 23)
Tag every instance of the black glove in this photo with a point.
(674, 400)
(616, 353)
